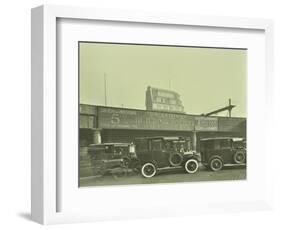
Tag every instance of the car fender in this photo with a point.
(215, 156)
(150, 161)
(190, 156)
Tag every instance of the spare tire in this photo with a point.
(175, 159)
(239, 157)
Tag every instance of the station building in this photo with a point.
(111, 124)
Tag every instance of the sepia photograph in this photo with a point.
(152, 113)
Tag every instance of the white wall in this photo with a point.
(15, 112)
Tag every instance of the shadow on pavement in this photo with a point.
(25, 215)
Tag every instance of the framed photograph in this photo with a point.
(141, 114)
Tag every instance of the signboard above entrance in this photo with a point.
(120, 118)
(113, 118)
(206, 123)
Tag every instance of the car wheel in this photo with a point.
(175, 159)
(239, 157)
(216, 164)
(148, 170)
(191, 166)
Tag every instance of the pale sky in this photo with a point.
(204, 77)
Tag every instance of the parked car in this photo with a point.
(160, 153)
(222, 151)
(107, 156)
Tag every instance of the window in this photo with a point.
(208, 145)
(173, 102)
(225, 144)
(217, 145)
(141, 145)
(156, 145)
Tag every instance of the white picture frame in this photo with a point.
(46, 183)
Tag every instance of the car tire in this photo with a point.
(239, 157)
(191, 166)
(216, 164)
(148, 170)
(175, 159)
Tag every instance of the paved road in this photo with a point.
(237, 173)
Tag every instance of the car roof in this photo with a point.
(166, 138)
(222, 138)
(110, 144)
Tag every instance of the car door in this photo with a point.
(226, 151)
(159, 155)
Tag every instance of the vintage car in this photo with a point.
(222, 151)
(160, 153)
(107, 156)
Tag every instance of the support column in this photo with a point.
(194, 140)
(96, 136)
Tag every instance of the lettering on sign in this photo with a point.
(232, 124)
(162, 93)
(164, 121)
(206, 123)
(167, 107)
(117, 118)
(163, 100)
(137, 119)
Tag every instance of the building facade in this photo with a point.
(163, 100)
(111, 124)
